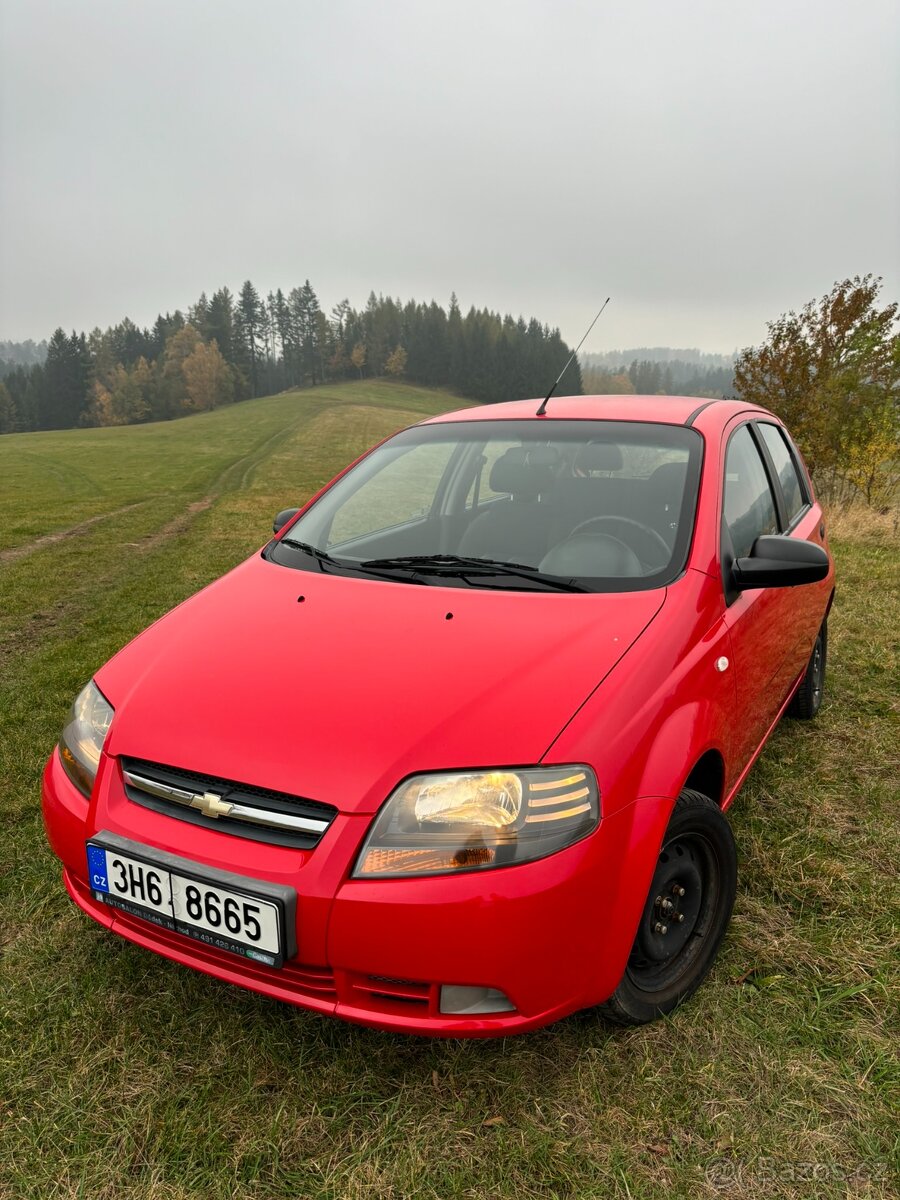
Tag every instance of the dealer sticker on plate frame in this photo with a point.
(248, 917)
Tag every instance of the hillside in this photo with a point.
(155, 470)
(84, 510)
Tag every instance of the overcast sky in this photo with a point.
(709, 164)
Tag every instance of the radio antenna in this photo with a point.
(543, 408)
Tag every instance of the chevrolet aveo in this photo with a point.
(452, 753)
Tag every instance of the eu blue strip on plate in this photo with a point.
(96, 857)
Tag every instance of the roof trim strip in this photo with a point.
(697, 411)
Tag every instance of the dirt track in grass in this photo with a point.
(14, 553)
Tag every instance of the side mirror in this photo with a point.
(282, 519)
(780, 561)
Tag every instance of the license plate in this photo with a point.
(214, 907)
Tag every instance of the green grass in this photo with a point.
(123, 1075)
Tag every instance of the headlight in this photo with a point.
(442, 824)
(83, 737)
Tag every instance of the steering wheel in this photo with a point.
(653, 538)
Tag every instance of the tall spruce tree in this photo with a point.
(271, 333)
(65, 388)
(249, 333)
(305, 333)
(220, 323)
(198, 316)
(455, 345)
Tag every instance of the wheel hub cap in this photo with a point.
(671, 918)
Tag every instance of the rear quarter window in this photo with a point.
(785, 468)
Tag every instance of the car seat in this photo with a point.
(515, 529)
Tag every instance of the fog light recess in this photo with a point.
(472, 1000)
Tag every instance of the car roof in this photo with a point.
(665, 410)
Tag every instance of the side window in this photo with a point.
(794, 499)
(748, 501)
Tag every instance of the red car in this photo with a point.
(452, 753)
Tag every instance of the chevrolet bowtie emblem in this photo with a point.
(211, 805)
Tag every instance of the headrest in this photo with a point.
(666, 483)
(598, 456)
(524, 471)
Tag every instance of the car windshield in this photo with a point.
(528, 505)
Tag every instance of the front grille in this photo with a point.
(241, 809)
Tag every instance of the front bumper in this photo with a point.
(552, 935)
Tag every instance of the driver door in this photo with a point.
(761, 620)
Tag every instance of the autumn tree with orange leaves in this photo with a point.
(832, 373)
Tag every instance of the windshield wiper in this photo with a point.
(459, 566)
(313, 551)
(326, 561)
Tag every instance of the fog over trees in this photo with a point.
(20, 354)
(658, 371)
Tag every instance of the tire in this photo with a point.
(670, 957)
(807, 700)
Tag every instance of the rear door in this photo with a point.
(802, 518)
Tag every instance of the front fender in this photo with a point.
(671, 698)
(683, 739)
(632, 840)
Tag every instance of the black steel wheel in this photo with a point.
(686, 914)
(807, 700)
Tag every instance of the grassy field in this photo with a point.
(124, 1076)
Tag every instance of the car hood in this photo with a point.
(336, 688)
